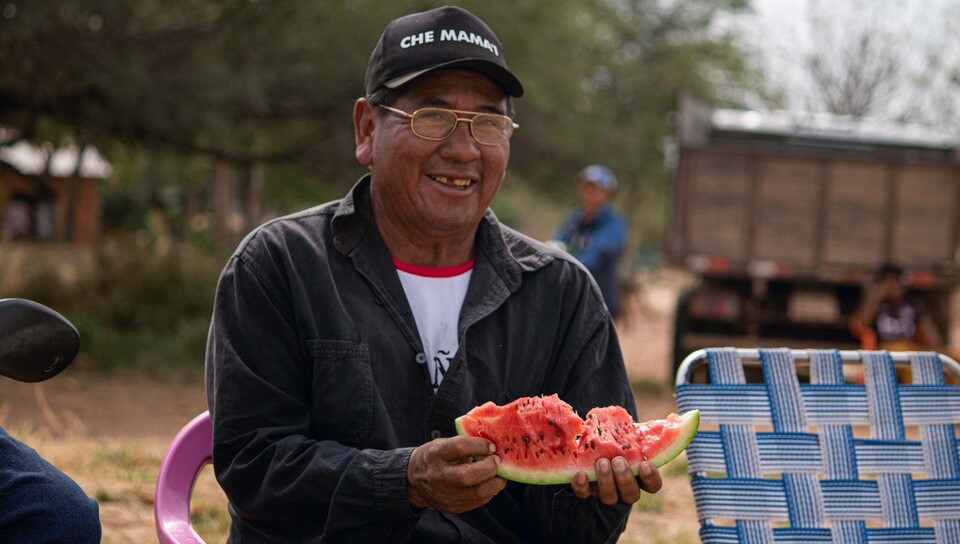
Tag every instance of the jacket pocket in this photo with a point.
(343, 391)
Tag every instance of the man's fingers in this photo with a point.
(581, 485)
(606, 486)
(443, 475)
(471, 474)
(650, 480)
(627, 486)
(447, 462)
(491, 487)
(616, 482)
(455, 448)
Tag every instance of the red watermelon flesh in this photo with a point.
(542, 440)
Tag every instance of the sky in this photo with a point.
(780, 33)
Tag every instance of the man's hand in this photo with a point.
(615, 482)
(442, 474)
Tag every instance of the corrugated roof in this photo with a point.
(30, 159)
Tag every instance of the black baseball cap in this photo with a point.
(447, 37)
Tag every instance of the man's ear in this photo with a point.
(363, 125)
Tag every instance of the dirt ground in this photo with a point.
(110, 434)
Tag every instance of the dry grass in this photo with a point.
(121, 475)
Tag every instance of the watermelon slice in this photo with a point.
(542, 440)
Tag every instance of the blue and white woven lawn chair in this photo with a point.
(815, 459)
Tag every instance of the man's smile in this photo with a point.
(454, 182)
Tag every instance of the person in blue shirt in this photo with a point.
(595, 233)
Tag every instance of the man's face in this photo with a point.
(433, 190)
(893, 288)
(592, 197)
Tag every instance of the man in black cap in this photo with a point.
(346, 338)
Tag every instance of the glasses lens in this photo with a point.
(439, 123)
(492, 129)
(433, 123)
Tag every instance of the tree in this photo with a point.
(242, 82)
(853, 68)
(885, 59)
(266, 87)
(224, 78)
(604, 89)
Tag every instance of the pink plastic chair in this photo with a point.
(189, 452)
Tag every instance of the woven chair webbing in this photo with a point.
(804, 476)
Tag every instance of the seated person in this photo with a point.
(888, 320)
(346, 339)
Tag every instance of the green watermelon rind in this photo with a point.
(689, 425)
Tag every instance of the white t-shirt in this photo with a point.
(436, 295)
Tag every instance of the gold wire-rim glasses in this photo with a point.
(498, 132)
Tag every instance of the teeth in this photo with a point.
(458, 182)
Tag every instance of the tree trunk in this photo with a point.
(256, 180)
(221, 193)
(71, 215)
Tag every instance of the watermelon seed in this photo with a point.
(540, 434)
(526, 439)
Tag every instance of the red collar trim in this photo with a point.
(434, 271)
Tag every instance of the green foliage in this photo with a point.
(147, 311)
(40, 283)
(133, 287)
(135, 308)
(524, 208)
(151, 350)
(275, 80)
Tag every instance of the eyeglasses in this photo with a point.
(439, 123)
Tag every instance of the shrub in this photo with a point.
(135, 308)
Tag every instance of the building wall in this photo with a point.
(48, 200)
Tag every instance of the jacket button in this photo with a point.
(421, 358)
(435, 434)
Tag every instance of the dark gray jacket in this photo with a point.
(318, 399)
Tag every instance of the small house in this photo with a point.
(50, 194)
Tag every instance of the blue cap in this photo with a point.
(599, 175)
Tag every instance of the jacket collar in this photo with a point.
(508, 252)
